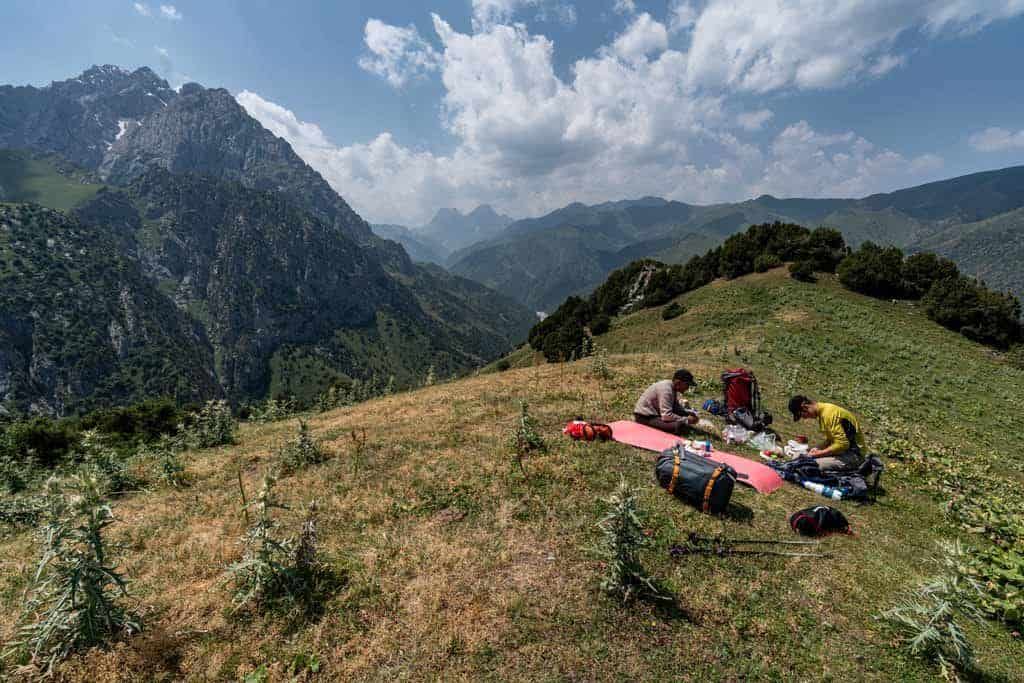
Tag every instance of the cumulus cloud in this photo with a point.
(396, 53)
(660, 109)
(765, 45)
(162, 51)
(753, 120)
(626, 123)
(643, 37)
(816, 164)
(170, 12)
(997, 140)
(142, 9)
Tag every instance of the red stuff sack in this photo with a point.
(585, 431)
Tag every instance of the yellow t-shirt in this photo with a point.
(840, 427)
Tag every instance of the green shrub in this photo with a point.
(75, 601)
(525, 437)
(600, 324)
(673, 310)
(39, 440)
(107, 465)
(966, 306)
(503, 365)
(874, 270)
(921, 271)
(143, 422)
(765, 262)
(802, 271)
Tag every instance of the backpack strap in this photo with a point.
(711, 485)
(675, 473)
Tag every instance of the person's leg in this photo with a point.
(660, 424)
(841, 462)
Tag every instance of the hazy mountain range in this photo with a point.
(448, 231)
(973, 219)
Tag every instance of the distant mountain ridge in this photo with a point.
(289, 289)
(564, 243)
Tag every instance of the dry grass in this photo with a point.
(458, 568)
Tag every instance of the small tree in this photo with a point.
(623, 540)
(75, 601)
(431, 378)
(673, 310)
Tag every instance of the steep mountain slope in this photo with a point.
(657, 228)
(262, 275)
(992, 249)
(81, 117)
(250, 242)
(81, 326)
(462, 568)
(206, 131)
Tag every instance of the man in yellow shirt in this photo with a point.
(844, 447)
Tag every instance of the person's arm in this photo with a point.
(670, 408)
(837, 441)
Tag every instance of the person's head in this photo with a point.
(682, 380)
(802, 407)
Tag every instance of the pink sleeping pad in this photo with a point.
(761, 478)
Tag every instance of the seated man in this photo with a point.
(844, 441)
(659, 406)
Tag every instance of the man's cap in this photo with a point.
(683, 375)
(796, 405)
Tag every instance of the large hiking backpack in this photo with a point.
(742, 399)
(700, 481)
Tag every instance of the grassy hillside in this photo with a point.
(458, 568)
(25, 177)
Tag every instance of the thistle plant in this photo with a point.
(928, 621)
(214, 425)
(264, 574)
(623, 540)
(525, 438)
(599, 366)
(272, 410)
(75, 601)
(110, 469)
(301, 452)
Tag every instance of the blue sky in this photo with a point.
(406, 107)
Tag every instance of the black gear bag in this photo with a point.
(700, 481)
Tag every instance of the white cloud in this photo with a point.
(997, 140)
(754, 120)
(162, 51)
(643, 37)
(626, 123)
(170, 12)
(396, 53)
(682, 16)
(487, 13)
(808, 163)
(142, 9)
(625, 6)
(764, 45)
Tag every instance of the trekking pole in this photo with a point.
(696, 539)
